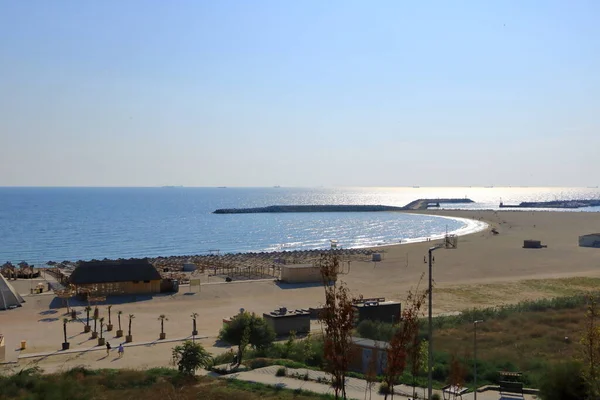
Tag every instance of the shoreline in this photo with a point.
(484, 270)
(472, 226)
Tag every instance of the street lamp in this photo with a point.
(475, 356)
(430, 329)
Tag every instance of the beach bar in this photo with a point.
(134, 276)
(377, 309)
(283, 321)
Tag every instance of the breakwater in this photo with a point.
(420, 204)
(554, 204)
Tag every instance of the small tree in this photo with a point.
(119, 313)
(456, 374)
(109, 319)
(96, 312)
(101, 326)
(337, 317)
(131, 317)
(243, 344)
(261, 333)
(65, 322)
(404, 339)
(190, 356)
(563, 381)
(95, 318)
(87, 315)
(371, 375)
(591, 350)
(418, 355)
(194, 330)
(162, 318)
(307, 348)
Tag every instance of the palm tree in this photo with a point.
(65, 322)
(162, 319)
(96, 312)
(129, 337)
(109, 326)
(87, 323)
(95, 332)
(120, 330)
(65, 345)
(101, 340)
(101, 325)
(194, 331)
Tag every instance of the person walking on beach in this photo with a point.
(107, 349)
(121, 350)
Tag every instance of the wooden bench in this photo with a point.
(453, 392)
(507, 387)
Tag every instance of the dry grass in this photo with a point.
(525, 341)
(491, 294)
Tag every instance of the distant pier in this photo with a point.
(420, 204)
(554, 204)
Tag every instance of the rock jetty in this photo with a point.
(554, 204)
(420, 204)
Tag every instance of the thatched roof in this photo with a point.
(114, 271)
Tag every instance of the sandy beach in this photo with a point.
(484, 270)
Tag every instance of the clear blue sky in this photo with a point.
(299, 93)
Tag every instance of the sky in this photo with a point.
(299, 93)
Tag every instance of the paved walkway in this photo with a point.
(355, 388)
(103, 348)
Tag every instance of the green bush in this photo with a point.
(281, 371)
(375, 330)
(190, 356)
(258, 363)
(261, 333)
(224, 358)
(384, 388)
(563, 382)
(435, 396)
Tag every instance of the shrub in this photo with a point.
(376, 330)
(280, 371)
(190, 356)
(261, 333)
(258, 363)
(563, 381)
(384, 388)
(224, 358)
(435, 396)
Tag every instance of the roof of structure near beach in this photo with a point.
(9, 298)
(114, 271)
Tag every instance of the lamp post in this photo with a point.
(430, 328)
(475, 357)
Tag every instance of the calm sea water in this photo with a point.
(42, 224)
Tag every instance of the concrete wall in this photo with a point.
(365, 358)
(283, 325)
(384, 312)
(304, 274)
(116, 288)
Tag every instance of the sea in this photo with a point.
(38, 225)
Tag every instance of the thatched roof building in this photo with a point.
(116, 277)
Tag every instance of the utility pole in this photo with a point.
(475, 357)
(430, 328)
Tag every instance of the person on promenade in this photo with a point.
(107, 349)
(121, 350)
